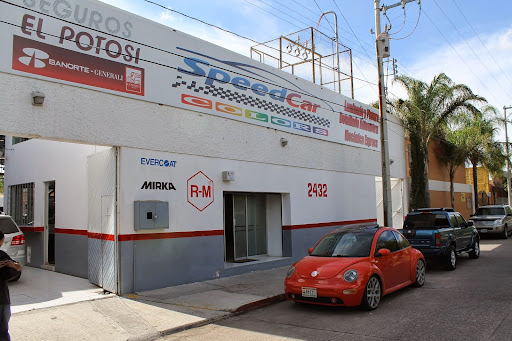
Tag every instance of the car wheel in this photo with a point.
(372, 294)
(420, 273)
(505, 232)
(451, 258)
(475, 253)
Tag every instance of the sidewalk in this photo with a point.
(151, 314)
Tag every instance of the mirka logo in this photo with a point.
(34, 57)
(164, 186)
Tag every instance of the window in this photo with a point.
(455, 223)
(21, 203)
(402, 242)
(387, 241)
(344, 244)
(425, 221)
(462, 221)
(490, 211)
(16, 139)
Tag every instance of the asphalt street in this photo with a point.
(474, 302)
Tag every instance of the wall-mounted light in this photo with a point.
(37, 98)
(284, 142)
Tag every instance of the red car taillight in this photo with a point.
(438, 239)
(18, 240)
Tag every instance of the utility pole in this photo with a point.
(508, 155)
(382, 49)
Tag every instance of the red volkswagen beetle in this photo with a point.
(355, 265)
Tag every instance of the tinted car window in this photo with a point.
(490, 211)
(508, 210)
(455, 223)
(344, 244)
(8, 226)
(387, 241)
(462, 221)
(402, 242)
(426, 221)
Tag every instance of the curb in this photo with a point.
(240, 310)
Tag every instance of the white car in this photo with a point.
(14, 243)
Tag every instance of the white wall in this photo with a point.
(349, 195)
(39, 161)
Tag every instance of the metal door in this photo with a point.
(101, 176)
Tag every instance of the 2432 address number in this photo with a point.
(317, 190)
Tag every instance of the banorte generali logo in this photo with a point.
(34, 57)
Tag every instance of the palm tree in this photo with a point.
(423, 114)
(455, 154)
(480, 131)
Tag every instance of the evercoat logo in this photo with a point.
(157, 162)
(164, 186)
(34, 57)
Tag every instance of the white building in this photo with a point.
(183, 161)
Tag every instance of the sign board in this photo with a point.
(90, 44)
(200, 191)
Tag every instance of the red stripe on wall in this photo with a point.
(101, 236)
(142, 236)
(334, 223)
(32, 228)
(71, 231)
(150, 236)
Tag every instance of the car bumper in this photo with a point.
(430, 251)
(490, 229)
(331, 292)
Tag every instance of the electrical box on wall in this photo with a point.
(151, 215)
(228, 176)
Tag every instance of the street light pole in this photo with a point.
(383, 51)
(508, 155)
(386, 182)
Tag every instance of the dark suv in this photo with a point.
(441, 233)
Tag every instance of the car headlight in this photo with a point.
(350, 275)
(290, 272)
(498, 222)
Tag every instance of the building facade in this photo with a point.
(158, 159)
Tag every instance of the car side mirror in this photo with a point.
(471, 223)
(310, 250)
(383, 252)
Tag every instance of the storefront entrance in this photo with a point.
(245, 226)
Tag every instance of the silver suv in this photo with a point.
(493, 219)
(14, 243)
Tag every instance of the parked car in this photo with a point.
(441, 233)
(355, 265)
(14, 243)
(493, 219)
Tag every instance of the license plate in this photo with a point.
(483, 230)
(309, 292)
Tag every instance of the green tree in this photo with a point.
(424, 114)
(480, 130)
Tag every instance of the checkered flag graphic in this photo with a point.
(233, 96)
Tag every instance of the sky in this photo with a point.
(469, 40)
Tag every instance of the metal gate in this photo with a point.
(397, 201)
(101, 227)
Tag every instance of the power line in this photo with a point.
(458, 54)
(478, 36)
(472, 50)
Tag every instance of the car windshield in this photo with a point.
(344, 244)
(7, 226)
(426, 221)
(490, 211)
